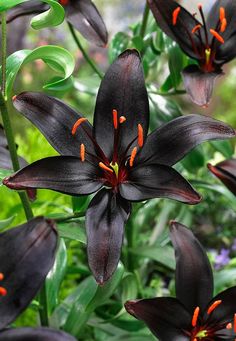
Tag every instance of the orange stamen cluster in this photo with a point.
(132, 157)
(175, 15)
(3, 291)
(213, 306)
(217, 36)
(104, 167)
(223, 20)
(77, 124)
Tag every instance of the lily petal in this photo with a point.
(34, 334)
(172, 141)
(123, 89)
(226, 172)
(194, 280)
(163, 13)
(84, 17)
(166, 317)
(158, 181)
(5, 159)
(199, 85)
(29, 252)
(27, 8)
(65, 174)
(55, 120)
(105, 219)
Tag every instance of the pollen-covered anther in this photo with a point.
(229, 326)
(122, 119)
(77, 124)
(195, 316)
(1, 276)
(140, 135)
(223, 25)
(175, 15)
(3, 291)
(222, 13)
(104, 167)
(196, 28)
(132, 157)
(82, 152)
(213, 306)
(217, 36)
(64, 2)
(115, 118)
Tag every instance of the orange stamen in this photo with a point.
(101, 165)
(140, 135)
(213, 306)
(222, 13)
(115, 118)
(235, 323)
(199, 7)
(3, 291)
(175, 15)
(196, 28)
(132, 157)
(223, 25)
(217, 36)
(14, 98)
(64, 2)
(82, 152)
(229, 326)
(195, 339)
(122, 119)
(1, 276)
(195, 316)
(77, 124)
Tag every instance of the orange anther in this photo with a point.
(195, 316)
(229, 326)
(77, 124)
(132, 157)
(223, 25)
(199, 7)
(140, 135)
(82, 152)
(122, 119)
(235, 323)
(14, 98)
(104, 167)
(217, 36)
(195, 339)
(196, 28)
(222, 13)
(1, 276)
(175, 15)
(115, 118)
(3, 291)
(213, 306)
(64, 2)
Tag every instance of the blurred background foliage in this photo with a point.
(93, 313)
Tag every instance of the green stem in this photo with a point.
(43, 306)
(166, 94)
(144, 21)
(84, 53)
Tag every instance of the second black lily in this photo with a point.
(114, 157)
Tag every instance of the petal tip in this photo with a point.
(129, 306)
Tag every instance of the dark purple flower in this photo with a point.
(226, 172)
(82, 14)
(34, 334)
(211, 42)
(114, 157)
(194, 315)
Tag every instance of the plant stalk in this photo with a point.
(144, 21)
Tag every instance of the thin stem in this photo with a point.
(166, 94)
(144, 21)
(4, 53)
(43, 306)
(84, 53)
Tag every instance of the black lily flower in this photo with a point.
(34, 334)
(82, 14)
(211, 42)
(194, 315)
(27, 252)
(226, 172)
(114, 156)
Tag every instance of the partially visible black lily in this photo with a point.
(212, 42)
(34, 334)
(194, 315)
(226, 172)
(27, 254)
(82, 14)
(114, 157)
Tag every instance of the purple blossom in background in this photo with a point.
(233, 247)
(222, 259)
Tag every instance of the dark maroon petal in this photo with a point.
(172, 141)
(158, 181)
(84, 16)
(34, 334)
(27, 253)
(199, 85)
(224, 313)
(122, 89)
(27, 8)
(182, 31)
(226, 172)
(194, 280)
(105, 219)
(55, 120)
(165, 316)
(65, 174)
(227, 51)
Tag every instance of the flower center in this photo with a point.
(3, 291)
(203, 49)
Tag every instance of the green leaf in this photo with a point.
(80, 203)
(194, 160)
(4, 173)
(6, 222)
(118, 44)
(72, 230)
(223, 279)
(56, 57)
(53, 17)
(224, 147)
(176, 62)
